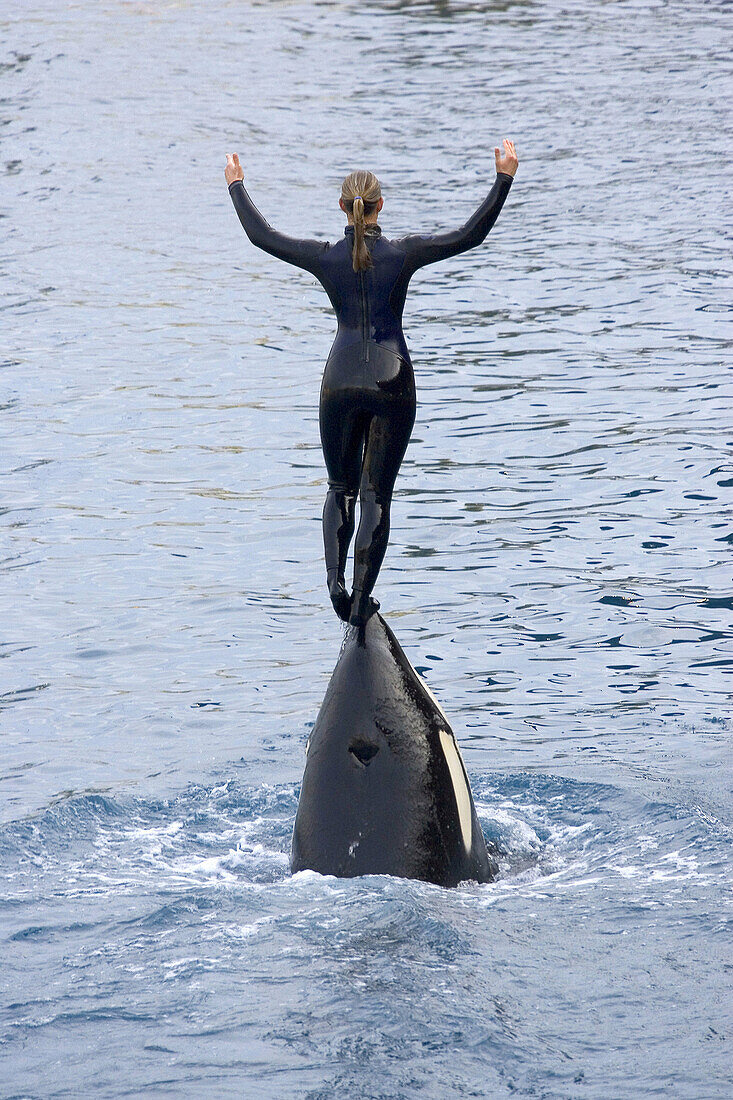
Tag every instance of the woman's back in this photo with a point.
(368, 304)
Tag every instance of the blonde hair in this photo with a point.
(360, 193)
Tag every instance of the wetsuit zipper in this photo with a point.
(364, 317)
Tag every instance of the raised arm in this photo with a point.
(428, 249)
(302, 253)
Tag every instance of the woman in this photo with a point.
(367, 407)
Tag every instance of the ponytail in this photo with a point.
(361, 258)
(360, 193)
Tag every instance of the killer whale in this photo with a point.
(384, 789)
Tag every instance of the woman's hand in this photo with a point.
(233, 170)
(507, 163)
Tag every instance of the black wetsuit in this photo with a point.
(367, 406)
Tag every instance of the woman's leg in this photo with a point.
(342, 436)
(386, 442)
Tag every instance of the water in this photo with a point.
(559, 568)
(170, 932)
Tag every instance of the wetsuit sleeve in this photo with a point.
(429, 249)
(302, 253)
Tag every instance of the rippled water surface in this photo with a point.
(559, 568)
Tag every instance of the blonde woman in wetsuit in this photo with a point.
(367, 406)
